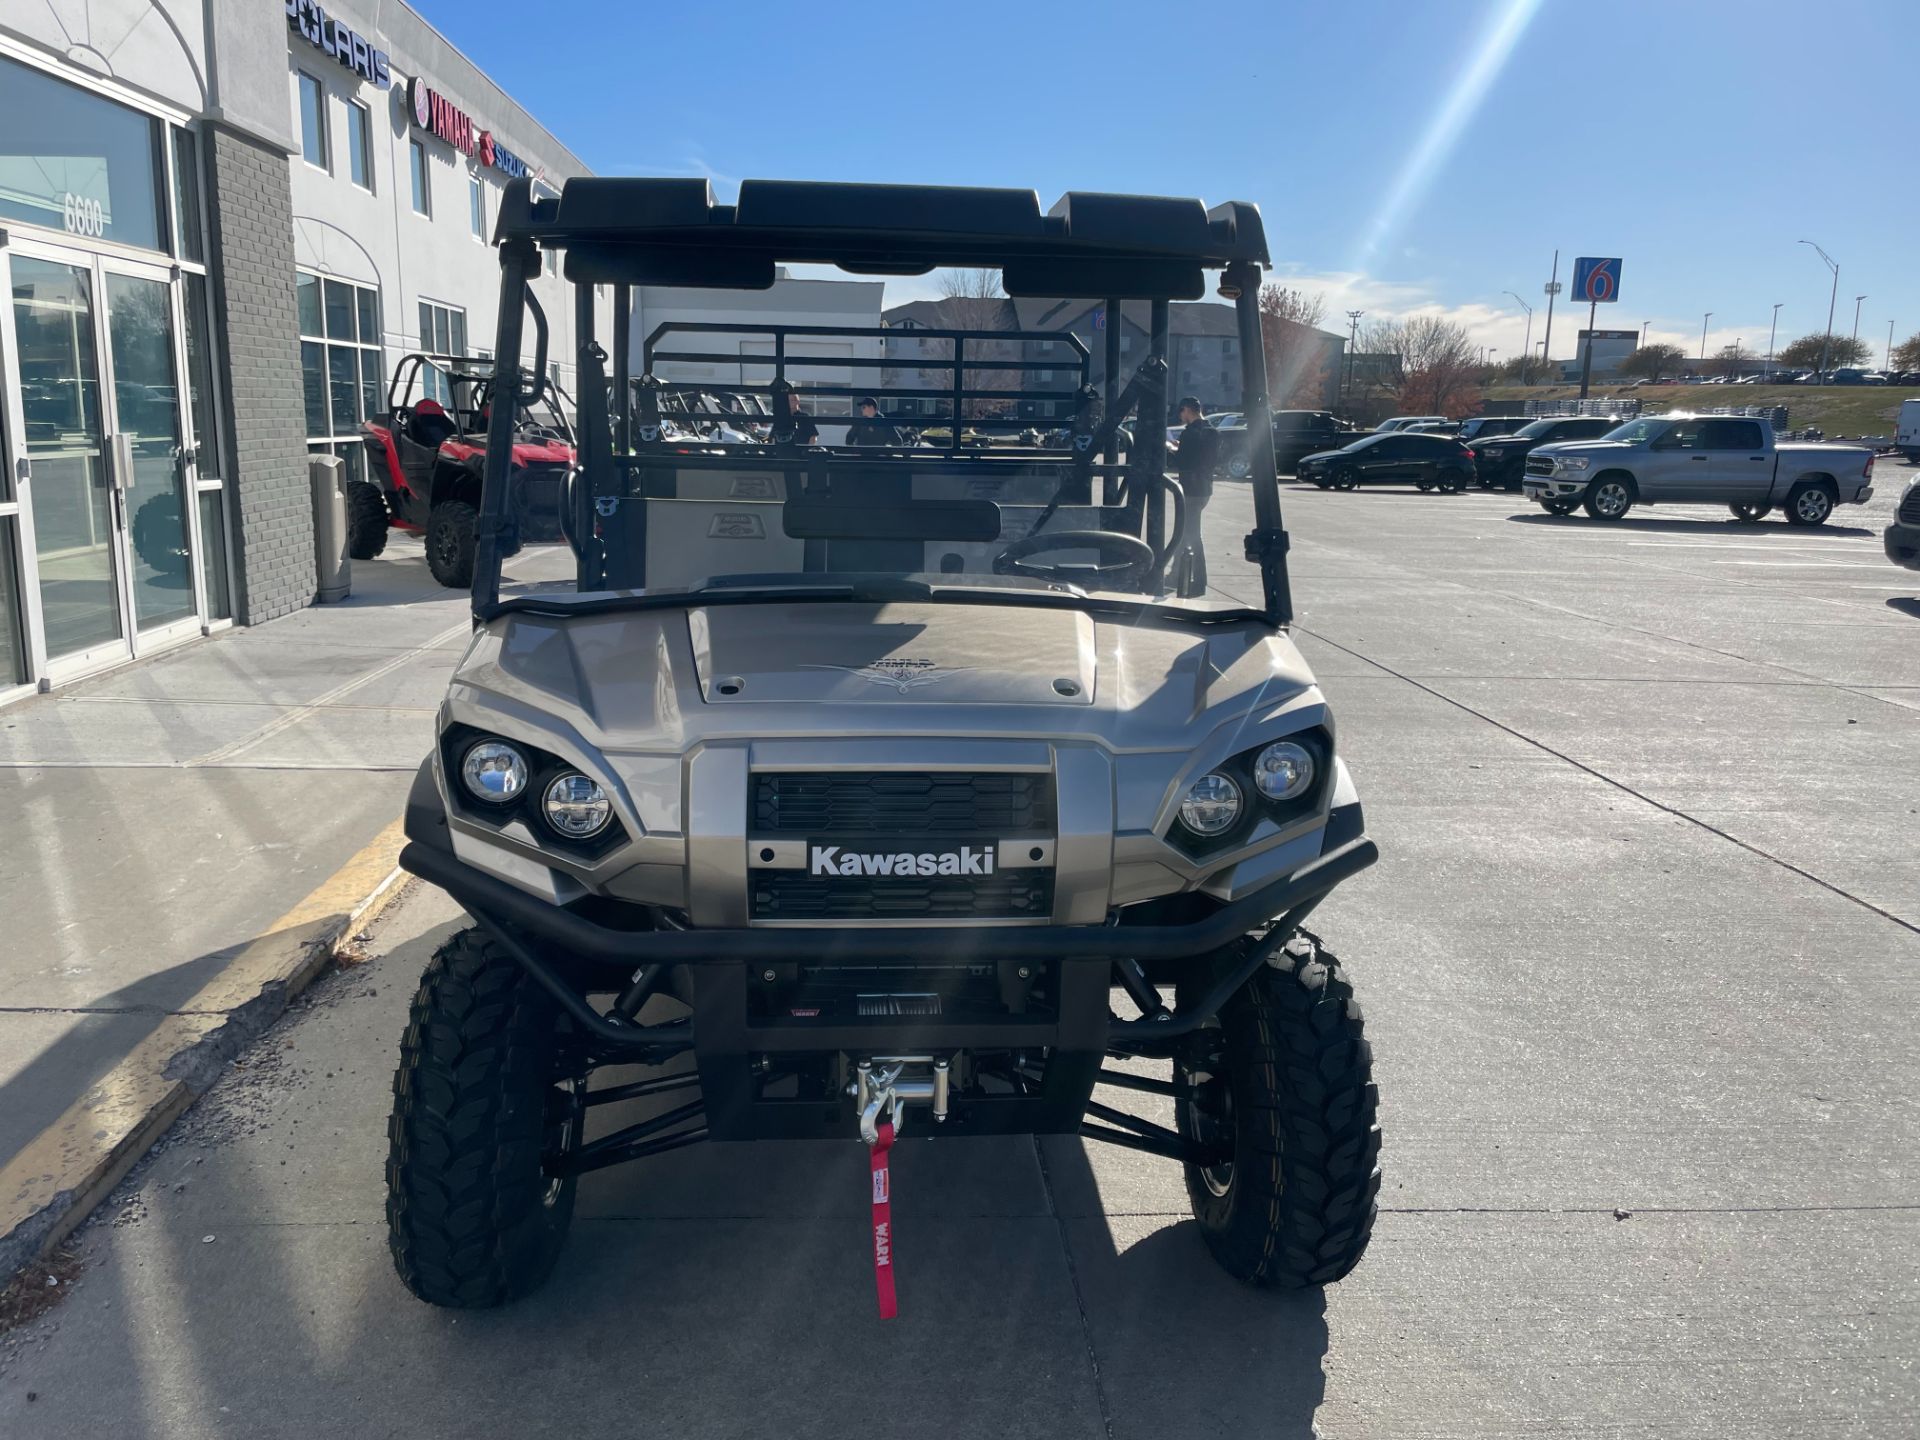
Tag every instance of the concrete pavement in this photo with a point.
(1639, 964)
(163, 815)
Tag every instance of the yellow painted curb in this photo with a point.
(54, 1182)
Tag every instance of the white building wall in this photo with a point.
(375, 237)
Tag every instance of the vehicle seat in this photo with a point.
(430, 425)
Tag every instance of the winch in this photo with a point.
(886, 1083)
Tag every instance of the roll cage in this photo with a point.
(471, 380)
(670, 232)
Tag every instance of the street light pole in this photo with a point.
(1645, 325)
(1353, 340)
(1826, 340)
(1526, 352)
(1771, 330)
(1856, 318)
(1703, 336)
(1889, 345)
(1553, 289)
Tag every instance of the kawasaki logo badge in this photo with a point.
(834, 860)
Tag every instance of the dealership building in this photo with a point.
(221, 224)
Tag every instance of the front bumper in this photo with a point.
(1903, 545)
(1553, 487)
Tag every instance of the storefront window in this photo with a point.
(443, 331)
(213, 554)
(13, 658)
(74, 161)
(206, 436)
(341, 369)
(186, 196)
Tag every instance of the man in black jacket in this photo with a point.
(870, 429)
(1194, 461)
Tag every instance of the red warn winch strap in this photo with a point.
(883, 1222)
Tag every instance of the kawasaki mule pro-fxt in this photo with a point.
(909, 785)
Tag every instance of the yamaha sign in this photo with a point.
(439, 116)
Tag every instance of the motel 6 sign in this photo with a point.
(1596, 281)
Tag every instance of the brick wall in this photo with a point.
(251, 204)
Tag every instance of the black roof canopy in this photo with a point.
(1094, 246)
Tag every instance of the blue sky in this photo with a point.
(1406, 156)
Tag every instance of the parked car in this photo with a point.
(1500, 461)
(1480, 427)
(1699, 460)
(1855, 375)
(1902, 537)
(1433, 427)
(1428, 461)
(1296, 433)
(1401, 422)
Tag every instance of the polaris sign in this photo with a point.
(836, 860)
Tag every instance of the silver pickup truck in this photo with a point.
(1698, 460)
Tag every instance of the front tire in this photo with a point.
(1750, 513)
(1346, 478)
(1609, 498)
(1289, 1090)
(1809, 505)
(366, 520)
(473, 1217)
(451, 529)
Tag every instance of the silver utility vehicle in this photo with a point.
(874, 791)
(1729, 460)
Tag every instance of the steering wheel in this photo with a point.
(1139, 557)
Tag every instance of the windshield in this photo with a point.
(1635, 431)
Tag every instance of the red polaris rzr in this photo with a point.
(424, 457)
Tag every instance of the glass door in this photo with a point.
(108, 471)
(74, 510)
(151, 463)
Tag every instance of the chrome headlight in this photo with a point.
(1283, 771)
(1571, 463)
(1212, 805)
(576, 807)
(494, 771)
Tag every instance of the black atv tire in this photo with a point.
(366, 520)
(473, 1218)
(450, 540)
(1296, 1205)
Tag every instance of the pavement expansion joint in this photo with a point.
(1623, 787)
(1079, 1295)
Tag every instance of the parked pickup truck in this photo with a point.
(1699, 460)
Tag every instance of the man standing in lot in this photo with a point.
(1194, 461)
(799, 428)
(870, 428)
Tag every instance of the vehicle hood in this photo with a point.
(1323, 454)
(1582, 447)
(664, 680)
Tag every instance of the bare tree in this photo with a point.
(1650, 362)
(1807, 351)
(974, 300)
(1439, 368)
(1906, 355)
(1296, 355)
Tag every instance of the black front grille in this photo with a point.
(796, 895)
(1909, 512)
(820, 805)
(1539, 465)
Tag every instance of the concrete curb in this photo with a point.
(58, 1178)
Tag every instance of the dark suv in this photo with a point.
(1296, 433)
(1485, 427)
(1428, 461)
(1502, 459)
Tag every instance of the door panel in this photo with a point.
(74, 524)
(146, 398)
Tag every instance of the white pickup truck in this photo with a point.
(1698, 460)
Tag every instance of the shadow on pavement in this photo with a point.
(1685, 527)
(1905, 605)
